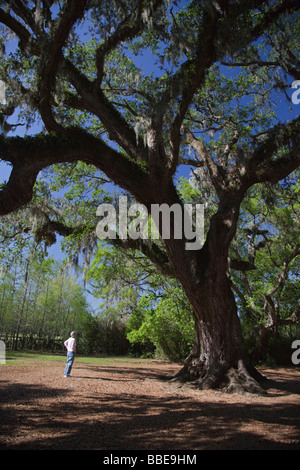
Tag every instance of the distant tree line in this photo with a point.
(40, 303)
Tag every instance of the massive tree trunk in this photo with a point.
(218, 358)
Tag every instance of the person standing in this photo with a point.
(70, 344)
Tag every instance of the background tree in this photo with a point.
(164, 321)
(152, 307)
(98, 107)
(268, 295)
(41, 302)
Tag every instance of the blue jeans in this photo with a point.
(70, 360)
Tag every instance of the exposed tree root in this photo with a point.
(231, 379)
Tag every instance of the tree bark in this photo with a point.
(218, 358)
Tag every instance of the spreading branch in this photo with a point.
(72, 145)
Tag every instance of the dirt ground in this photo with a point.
(128, 406)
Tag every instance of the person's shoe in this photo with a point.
(66, 376)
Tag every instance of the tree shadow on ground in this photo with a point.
(137, 373)
(26, 393)
(22, 396)
(272, 380)
(123, 421)
(281, 382)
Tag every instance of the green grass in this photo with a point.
(27, 357)
(24, 357)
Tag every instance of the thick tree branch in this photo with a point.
(264, 166)
(240, 265)
(187, 80)
(98, 104)
(51, 59)
(272, 14)
(30, 155)
(216, 172)
(296, 313)
(274, 319)
(15, 26)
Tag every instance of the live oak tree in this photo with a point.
(208, 103)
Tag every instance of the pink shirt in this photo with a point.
(70, 344)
